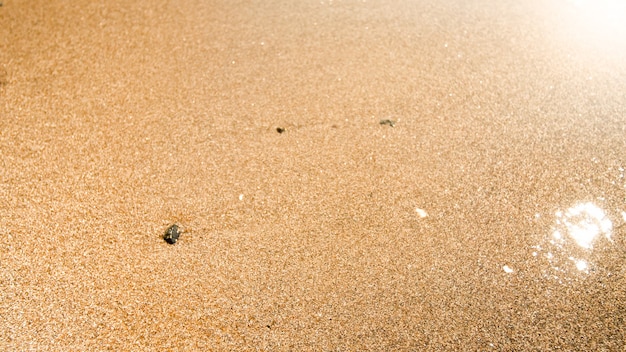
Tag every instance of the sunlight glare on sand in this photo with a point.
(577, 232)
(581, 265)
(600, 19)
(583, 223)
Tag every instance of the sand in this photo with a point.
(488, 216)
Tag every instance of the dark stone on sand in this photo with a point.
(387, 122)
(172, 234)
(280, 130)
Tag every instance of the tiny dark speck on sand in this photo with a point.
(387, 122)
(280, 130)
(172, 234)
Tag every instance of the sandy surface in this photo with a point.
(488, 217)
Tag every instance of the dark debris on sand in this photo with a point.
(388, 122)
(172, 234)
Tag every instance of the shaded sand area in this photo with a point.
(487, 213)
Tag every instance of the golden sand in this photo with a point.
(455, 227)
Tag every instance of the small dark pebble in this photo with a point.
(172, 234)
(280, 129)
(387, 122)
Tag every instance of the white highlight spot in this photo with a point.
(584, 222)
(507, 269)
(241, 197)
(421, 212)
(581, 265)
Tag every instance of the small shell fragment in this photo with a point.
(172, 234)
(421, 212)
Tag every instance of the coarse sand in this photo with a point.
(386, 175)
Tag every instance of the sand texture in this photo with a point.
(346, 175)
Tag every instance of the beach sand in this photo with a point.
(486, 214)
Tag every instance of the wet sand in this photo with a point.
(489, 216)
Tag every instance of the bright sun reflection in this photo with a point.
(581, 265)
(584, 223)
(579, 235)
(601, 17)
